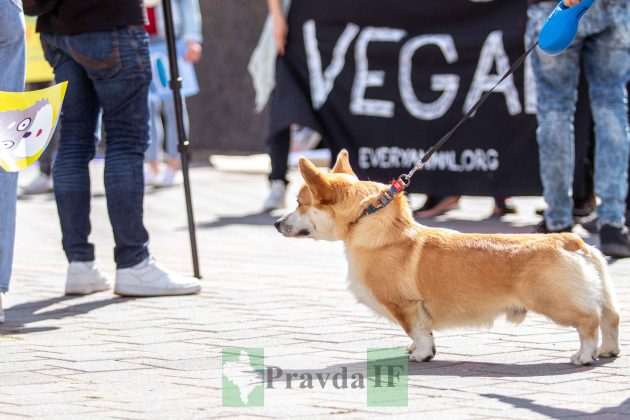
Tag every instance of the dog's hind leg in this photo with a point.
(417, 324)
(610, 330)
(585, 318)
(587, 325)
(589, 336)
(610, 315)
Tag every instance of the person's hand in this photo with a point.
(570, 3)
(280, 31)
(193, 52)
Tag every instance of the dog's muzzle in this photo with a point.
(289, 230)
(281, 225)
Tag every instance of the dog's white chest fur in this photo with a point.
(364, 295)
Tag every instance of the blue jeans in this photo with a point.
(110, 72)
(164, 128)
(12, 57)
(602, 45)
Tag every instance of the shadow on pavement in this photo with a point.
(620, 411)
(489, 225)
(258, 219)
(462, 369)
(498, 370)
(30, 312)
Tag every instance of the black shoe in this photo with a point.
(542, 228)
(615, 242)
(591, 223)
(584, 207)
(502, 207)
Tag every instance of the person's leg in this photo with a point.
(171, 134)
(584, 201)
(502, 206)
(607, 67)
(121, 88)
(77, 146)
(278, 149)
(118, 65)
(46, 159)
(12, 57)
(8, 193)
(171, 140)
(628, 201)
(556, 86)
(153, 155)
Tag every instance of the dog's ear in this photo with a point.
(342, 165)
(315, 180)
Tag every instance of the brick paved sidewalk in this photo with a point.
(104, 356)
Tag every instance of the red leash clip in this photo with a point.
(397, 186)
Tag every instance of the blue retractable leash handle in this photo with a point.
(561, 27)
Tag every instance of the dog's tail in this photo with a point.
(610, 315)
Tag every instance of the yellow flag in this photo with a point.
(27, 123)
(37, 68)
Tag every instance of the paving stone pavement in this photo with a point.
(106, 356)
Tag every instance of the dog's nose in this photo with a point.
(277, 225)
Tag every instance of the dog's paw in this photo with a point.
(583, 358)
(411, 347)
(608, 352)
(422, 355)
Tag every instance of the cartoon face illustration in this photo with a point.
(24, 133)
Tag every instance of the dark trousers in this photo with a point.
(278, 149)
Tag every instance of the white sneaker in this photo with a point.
(277, 196)
(84, 278)
(168, 178)
(149, 279)
(43, 184)
(151, 177)
(1, 310)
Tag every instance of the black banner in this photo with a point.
(386, 79)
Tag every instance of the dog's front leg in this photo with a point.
(417, 324)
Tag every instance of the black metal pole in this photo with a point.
(183, 143)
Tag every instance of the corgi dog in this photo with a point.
(427, 279)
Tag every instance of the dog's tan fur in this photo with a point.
(428, 279)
